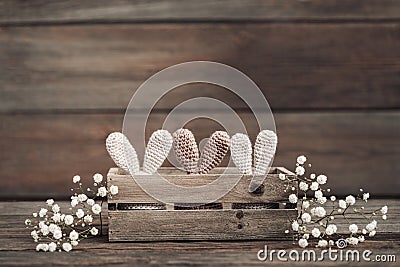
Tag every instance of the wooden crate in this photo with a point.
(239, 215)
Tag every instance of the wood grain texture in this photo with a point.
(297, 66)
(204, 224)
(17, 248)
(41, 153)
(273, 188)
(164, 225)
(23, 209)
(37, 11)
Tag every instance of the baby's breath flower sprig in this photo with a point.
(54, 230)
(315, 221)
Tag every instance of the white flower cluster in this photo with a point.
(54, 230)
(316, 215)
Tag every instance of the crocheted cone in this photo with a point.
(157, 150)
(264, 151)
(122, 152)
(214, 151)
(186, 150)
(241, 152)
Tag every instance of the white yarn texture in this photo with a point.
(186, 150)
(241, 152)
(264, 151)
(122, 152)
(214, 151)
(157, 150)
(125, 156)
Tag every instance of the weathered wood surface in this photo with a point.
(68, 70)
(149, 225)
(41, 11)
(297, 66)
(130, 191)
(17, 247)
(41, 153)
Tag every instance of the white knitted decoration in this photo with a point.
(214, 151)
(125, 156)
(241, 152)
(264, 151)
(185, 147)
(186, 150)
(122, 152)
(157, 150)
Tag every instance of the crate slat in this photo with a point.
(273, 189)
(146, 225)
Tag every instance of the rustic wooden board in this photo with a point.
(101, 253)
(198, 225)
(13, 213)
(17, 248)
(41, 153)
(297, 66)
(273, 188)
(40, 11)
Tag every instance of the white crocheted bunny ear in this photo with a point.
(186, 150)
(264, 151)
(122, 152)
(242, 152)
(157, 150)
(214, 151)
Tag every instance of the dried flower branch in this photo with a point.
(317, 213)
(55, 230)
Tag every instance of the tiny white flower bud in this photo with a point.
(68, 219)
(303, 242)
(96, 208)
(293, 198)
(301, 159)
(350, 200)
(94, 231)
(306, 217)
(300, 170)
(67, 247)
(321, 179)
(50, 202)
(314, 186)
(353, 228)
(76, 179)
(114, 190)
(98, 178)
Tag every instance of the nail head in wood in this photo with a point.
(239, 214)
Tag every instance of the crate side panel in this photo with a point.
(273, 189)
(166, 225)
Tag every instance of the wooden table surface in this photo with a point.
(18, 249)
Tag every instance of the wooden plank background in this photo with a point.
(68, 11)
(330, 71)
